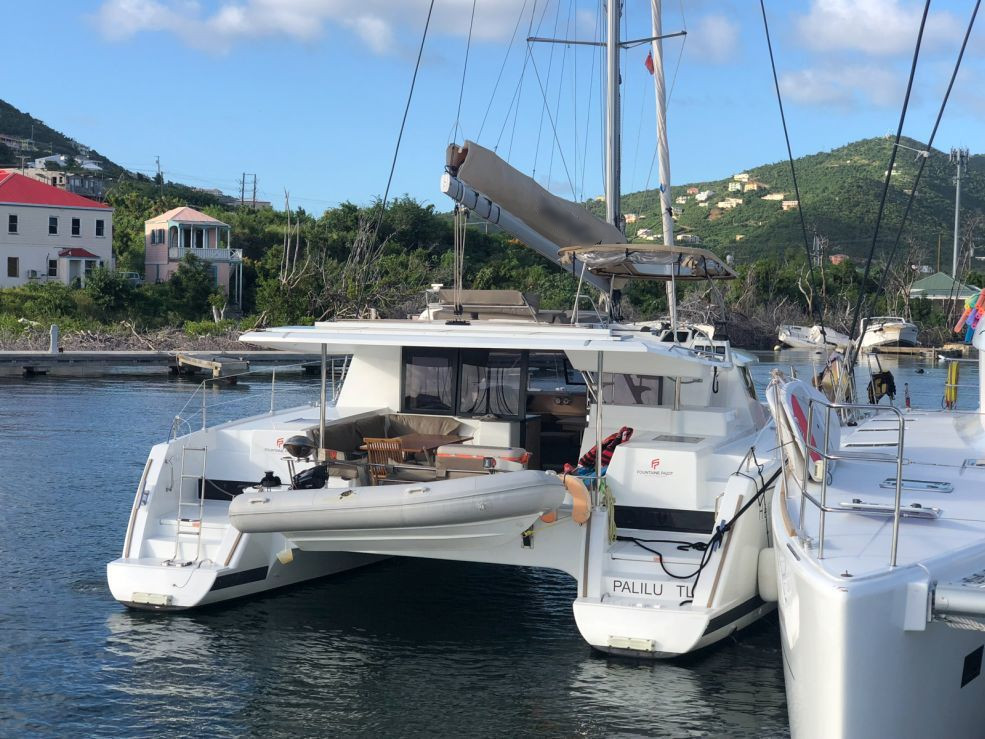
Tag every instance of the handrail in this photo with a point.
(181, 420)
(826, 455)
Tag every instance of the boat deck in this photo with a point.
(944, 469)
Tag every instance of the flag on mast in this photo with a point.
(648, 62)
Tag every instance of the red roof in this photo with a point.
(16, 188)
(78, 252)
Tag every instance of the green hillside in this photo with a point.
(840, 192)
(47, 140)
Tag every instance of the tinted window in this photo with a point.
(52, 225)
(620, 389)
(99, 228)
(491, 383)
(12, 224)
(76, 227)
(429, 380)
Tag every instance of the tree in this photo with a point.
(111, 293)
(190, 288)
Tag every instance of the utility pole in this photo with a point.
(242, 191)
(938, 253)
(959, 158)
(22, 158)
(160, 175)
(254, 192)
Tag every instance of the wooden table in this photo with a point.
(427, 444)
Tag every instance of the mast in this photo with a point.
(612, 140)
(663, 152)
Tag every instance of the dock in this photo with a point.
(955, 349)
(222, 367)
(95, 363)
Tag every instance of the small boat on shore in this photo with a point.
(813, 337)
(889, 331)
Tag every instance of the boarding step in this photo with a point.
(162, 548)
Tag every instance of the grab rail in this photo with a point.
(182, 420)
(827, 455)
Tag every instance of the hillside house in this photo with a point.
(753, 186)
(728, 203)
(703, 196)
(15, 143)
(741, 177)
(774, 196)
(49, 234)
(55, 160)
(171, 236)
(789, 204)
(687, 239)
(680, 199)
(631, 217)
(839, 258)
(692, 191)
(87, 184)
(735, 186)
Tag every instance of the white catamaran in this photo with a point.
(879, 542)
(447, 441)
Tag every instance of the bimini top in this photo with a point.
(581, 344)
(648, 262)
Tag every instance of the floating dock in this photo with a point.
(93, 363)
(221, 367)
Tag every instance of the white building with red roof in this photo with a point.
(173, 235)
(49, 234)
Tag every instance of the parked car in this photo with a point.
(133, 278)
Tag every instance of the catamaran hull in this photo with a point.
(152, 584)
(857, 660)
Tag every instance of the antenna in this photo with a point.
(160, 175)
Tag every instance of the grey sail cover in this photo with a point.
(556, 219)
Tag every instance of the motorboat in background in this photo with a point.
(816, 337)
(879, 544)
(888, 331)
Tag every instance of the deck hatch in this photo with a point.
(972, 666)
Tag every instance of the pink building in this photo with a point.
(169, 237)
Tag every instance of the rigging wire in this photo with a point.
(889, 173)
(403, 123)
(550, 68)
(588, 113)
(557, 105)
(930, 144)
(811, 305)
(502, 67)
(533, 63)
(461, 90)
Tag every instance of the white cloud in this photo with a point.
(713, 38)
(844, 85)
(380, 24)
(875, 27)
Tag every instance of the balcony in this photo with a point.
(177, 253)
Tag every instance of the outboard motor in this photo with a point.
(312, 478)
(882, 383)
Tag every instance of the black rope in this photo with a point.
(811, 306)
(930, 144)
(707, 548)
(885, 188)
(403, 123)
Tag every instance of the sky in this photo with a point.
(309, 94)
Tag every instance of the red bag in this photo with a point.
(609, 445)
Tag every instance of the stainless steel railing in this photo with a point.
(825, 455)
(198, 405)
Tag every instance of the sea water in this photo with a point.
(404, 647)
